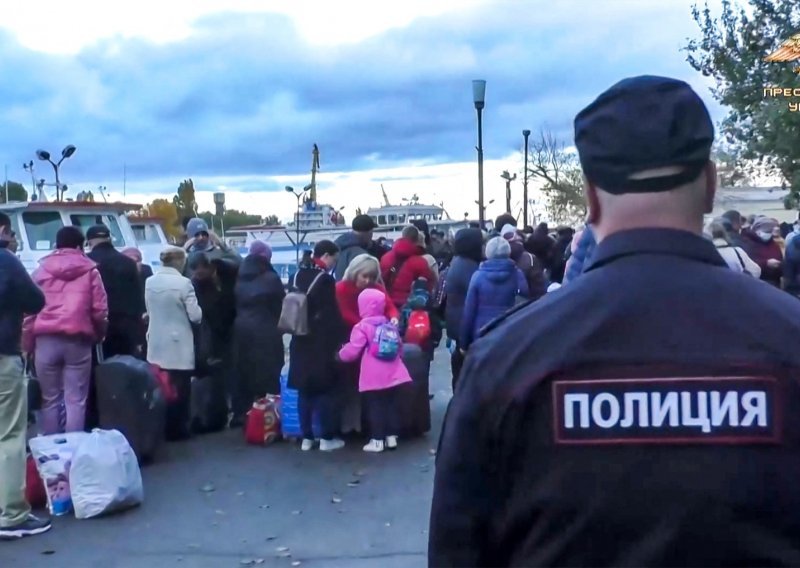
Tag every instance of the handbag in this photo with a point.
(263, 425)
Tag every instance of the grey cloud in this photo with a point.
(245, 95)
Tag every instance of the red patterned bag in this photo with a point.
(264, 421)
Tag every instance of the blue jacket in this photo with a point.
(492, 291)
(18, 296)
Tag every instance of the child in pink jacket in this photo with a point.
(383, 373)
(61, 336)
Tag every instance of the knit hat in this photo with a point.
(261, 249)
(196, 226)
(498, 247)
(133, 254)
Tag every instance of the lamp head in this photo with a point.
(43, 155)
(308, 187)
(526, 132)
(478, 92)
(68, 151)
(290, 189)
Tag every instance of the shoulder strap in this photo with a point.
(740, 260)
(313, 283)
(394, 271)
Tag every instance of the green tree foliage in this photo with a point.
(184, 201)
(231, 218)
(272, 220)
(14, 191)
(559, 169)
(758, 130)
(167, 212)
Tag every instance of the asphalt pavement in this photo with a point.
(216, 502)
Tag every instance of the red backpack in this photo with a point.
(418, 330)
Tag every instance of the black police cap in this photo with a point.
(644, 123)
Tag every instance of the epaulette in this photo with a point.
(498, 321)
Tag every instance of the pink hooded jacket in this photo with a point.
(375, 373)
(75, 300)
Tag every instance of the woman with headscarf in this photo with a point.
(257, 344)
(762, 248)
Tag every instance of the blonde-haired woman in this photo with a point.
(172, 308)
(363, 272)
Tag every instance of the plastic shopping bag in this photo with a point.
(54, 458)
(105, 475)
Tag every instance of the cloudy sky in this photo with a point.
(233, 93)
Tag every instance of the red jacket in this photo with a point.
(347, 297)
(761, 252)
(406, 256)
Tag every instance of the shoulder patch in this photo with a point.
(697, 410)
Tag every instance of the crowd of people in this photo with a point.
(611, 384)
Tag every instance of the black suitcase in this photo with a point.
(415, 403)
(209, 404)
(129, 399)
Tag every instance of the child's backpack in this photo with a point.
(418, 328)
(385, 344)
(294, 311)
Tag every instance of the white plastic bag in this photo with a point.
(105, 475)
(54, 455)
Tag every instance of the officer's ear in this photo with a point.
(711, 185)
(592, 202)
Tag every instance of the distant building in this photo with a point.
(754, 200)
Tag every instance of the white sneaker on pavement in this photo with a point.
(307, 445)
(29, 527)
(391, 442)
(374, 446)
(331, 445)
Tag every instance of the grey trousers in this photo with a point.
(13, 426)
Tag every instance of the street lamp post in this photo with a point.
(44, 155)
(525, 134)
(483, 210)
(478, 97)
(28, 167)
(299, 195)
(509, 178)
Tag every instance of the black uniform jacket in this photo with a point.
(646, 414)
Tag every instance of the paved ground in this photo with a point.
(346, 509)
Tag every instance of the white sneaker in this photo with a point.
(391, 442)
(374, 446)
(307, 445)
(331, 445)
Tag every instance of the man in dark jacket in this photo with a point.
(18, 296)
(630, 418)
(468, 256)
(123, 288)
(357, 242)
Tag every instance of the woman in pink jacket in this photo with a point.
(383, 373)
(74, 318)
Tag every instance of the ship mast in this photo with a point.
(314, 169)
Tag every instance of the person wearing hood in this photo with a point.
(764, 250)
(74, 318)
(356, 243)
(468, 255)
(492, 291)
(401, 266)
(257, 343)
(380, 380)
(529, 265)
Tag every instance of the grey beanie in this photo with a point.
(498, 247)
(195, 226)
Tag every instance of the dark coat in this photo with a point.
(145, 272)
(791, 267)
(515, 487)
(121, 281)
(532, 269)
(468, 249)
(18, 296)
(257, 343)
(493, 290)
(312, 358)
(218, 303)
(350, 246)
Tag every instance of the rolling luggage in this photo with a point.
(415, 404)
(130, 399)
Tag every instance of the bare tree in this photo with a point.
(552, 162)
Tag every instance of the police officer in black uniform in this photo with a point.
(630, 418)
